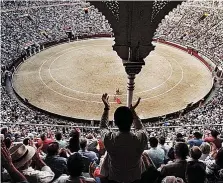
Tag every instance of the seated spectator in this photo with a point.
(75, 166)
(195, 154)
(214, 165)
(205, 149)
(195, 172)
(7, 142)
(64, 153)
(62, 143)
(124, 148)
(84, 152)
(74, 142)
(214, 138)
(197, 141)
(23, 156)
(26, 141)
(44, 142)
(172, 179)
(57, 164)
(156, 154)
(178, 167)
(170, 155)
(6, 162)
(180, 138)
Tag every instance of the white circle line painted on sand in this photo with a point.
(99, 94)
(40, 68)
(98, 101)
(182, 76)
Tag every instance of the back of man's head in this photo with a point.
(195, 152)
(58, 136)
(123, 118)
(43, 137)
(26, 141)
(53, 149)
(83, 143)
(181, 150)
(197, 135)
(162, 140)
(180, 138)
(214, 133)
(153, 141)
(75, 165)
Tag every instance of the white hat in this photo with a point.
(21, 154)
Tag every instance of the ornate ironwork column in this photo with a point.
(134, 24)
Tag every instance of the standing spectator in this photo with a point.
(124, 148)
(156, 154)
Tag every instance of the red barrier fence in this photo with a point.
(189, 50)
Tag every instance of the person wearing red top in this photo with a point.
(44, 142)
(214, 138)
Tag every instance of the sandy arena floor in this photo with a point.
(70, 78)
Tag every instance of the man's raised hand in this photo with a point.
(105, 98)
(136, 104)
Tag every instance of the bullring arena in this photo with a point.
(69, 79)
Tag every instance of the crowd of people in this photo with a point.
(196, 24)
(104, 155)
(43, 15)
(37, 22)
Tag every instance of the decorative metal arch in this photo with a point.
(134, 24)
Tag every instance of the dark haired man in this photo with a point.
(57, 164)
(75, 166)
(84, 152)
(124, 148)
(62, 143)
(44, 142)
(195, 154)
(214, 138)
(165, 147)
(178, 168)
(155, 153)
(196, 141)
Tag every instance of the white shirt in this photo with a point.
(44, 175)
(68, 179)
